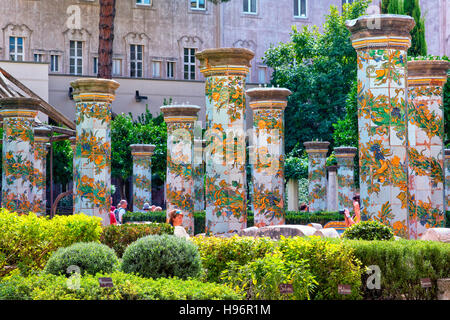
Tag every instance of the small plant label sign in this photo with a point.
(105, 282)
(425, 283)
(344, 289)
(286, 288)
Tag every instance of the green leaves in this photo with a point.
(319, 68)
(370, 230)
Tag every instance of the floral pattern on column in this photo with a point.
(447, 179)
(267, 156)
(382, 112)
(142, 175)
(426, 80)
(19, 181)
(92, 159)
(317, 174)
(180, 121)
(345, 157)
(225, 70)
(199, 175)
(41, 139)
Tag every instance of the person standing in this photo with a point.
(121, 210)
(356, 209)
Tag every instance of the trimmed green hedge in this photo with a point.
(126, 287)
(403, 263)
(292, 217)
(118, 237)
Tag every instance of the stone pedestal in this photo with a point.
(199, 175)
(292, 194)
(332, 189)
(41, 145)
(142, 175)
(225, 70)
(317, 175)
(267, 158)
(18, 176)
(426, 80)
(92, 163)
(345, 157)
(382, 123)
(180, 121)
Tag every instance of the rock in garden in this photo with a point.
(437, 234)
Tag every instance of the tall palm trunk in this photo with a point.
(106, 38)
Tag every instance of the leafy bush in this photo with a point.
(216, 252)
(118, 237)
(27, 241)
(162, 256)
(126, 287)
(260, 279)
(369, 230)
(402, 264)
(330, 262)
(89, 257)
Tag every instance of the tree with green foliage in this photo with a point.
(126, 131)
(410, 8)
(319, 68)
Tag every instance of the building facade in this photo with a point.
(156, 40)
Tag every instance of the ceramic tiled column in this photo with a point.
(199, 175)
(225, 70)
(345, 157)
(142, 175)
(381, 43)
(267, 158)
(18, 178)
(92, 164)
(180, 121)
(426, 80)
(447, 179)
(41, 139)
(332, 190)
(317, 174)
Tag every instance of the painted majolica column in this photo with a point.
(267, 158)
(18, 176)
(225, 70)
(92, 164)
(292, 194)
(381, 43)
(180, 121)
(317, 174)
(345, 157)
(426, 80)
(199, 175)
(447, 179)
(332, 190)
(142, 175)
(41, 139)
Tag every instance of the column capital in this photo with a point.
(332, 168)
(19, 107)
(381, 31)
(225, 61)
(427, 72)
(316, 146)
(447, 154)
(180, 113)
(41, 134)
(268, 98)
(142, 149)
(345, 152)
(94, 90)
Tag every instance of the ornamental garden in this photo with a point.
(247, 237)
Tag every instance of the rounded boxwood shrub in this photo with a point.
(369, 230)
(159, 256)
(89, 257)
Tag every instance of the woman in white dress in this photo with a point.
(176, 220)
